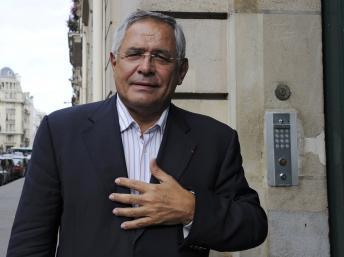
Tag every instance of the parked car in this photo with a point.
(4, 176)
(14, 165)
(18, 169)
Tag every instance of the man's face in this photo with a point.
(147, 85)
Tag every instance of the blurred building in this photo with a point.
(248, 58)
(17, 113)
(75, 53)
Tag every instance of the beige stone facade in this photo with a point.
(236, 63)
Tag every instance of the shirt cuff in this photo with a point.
(186, 229)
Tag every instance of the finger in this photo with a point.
(137, 223)
(157, 172)
(133, 212)
(126, 198)
(132, 184)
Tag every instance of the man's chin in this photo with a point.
(141, 104)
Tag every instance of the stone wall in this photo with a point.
(280, 42)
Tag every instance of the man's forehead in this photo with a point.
(149, 31)
(148, 35)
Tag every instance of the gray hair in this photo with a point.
(141, 15)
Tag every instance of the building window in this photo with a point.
(10, 114)
(10, 126)
(10, 139)
(10, 119)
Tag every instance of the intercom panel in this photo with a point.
(282, 151)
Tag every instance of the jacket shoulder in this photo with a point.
(80, 113)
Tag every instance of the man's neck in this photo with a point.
(145, 120)
(144, 117)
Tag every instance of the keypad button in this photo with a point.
(283, 176)
(283, 161)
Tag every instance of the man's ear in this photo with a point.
(113, 60)
(183, 69)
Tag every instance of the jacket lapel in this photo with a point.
(104, 144)
(176, 149)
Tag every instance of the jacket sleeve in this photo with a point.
(35, 228)
(228, 218)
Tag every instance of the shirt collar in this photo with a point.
(126, 121)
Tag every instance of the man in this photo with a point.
(93, 178)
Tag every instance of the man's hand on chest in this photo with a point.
(166, 203)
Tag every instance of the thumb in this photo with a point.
(157, 172)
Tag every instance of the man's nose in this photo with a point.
(146, 65)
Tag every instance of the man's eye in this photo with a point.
(161, 57)
(133, 55)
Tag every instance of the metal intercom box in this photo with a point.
(281, 148)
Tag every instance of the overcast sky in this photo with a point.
(33, 43)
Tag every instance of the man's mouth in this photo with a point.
(144, 84)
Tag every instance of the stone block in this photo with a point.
(310, 195)
(245, 6)
(174, 5)
(206, 48)
(260, 251)
(219, 254)
(248, 83)
(185, 5)
(311, 166)
(273, 6)
(218, 109)
(297, 234)
(297, 6)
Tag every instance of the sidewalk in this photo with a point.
(9, 198)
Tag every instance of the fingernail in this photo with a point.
(115, 211)
(111, 196)
(117, 180)
(123, 225)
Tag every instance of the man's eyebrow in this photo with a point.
(157, 50)
(135, 49)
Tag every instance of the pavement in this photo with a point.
(9, 198)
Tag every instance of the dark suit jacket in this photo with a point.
(77, 155)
